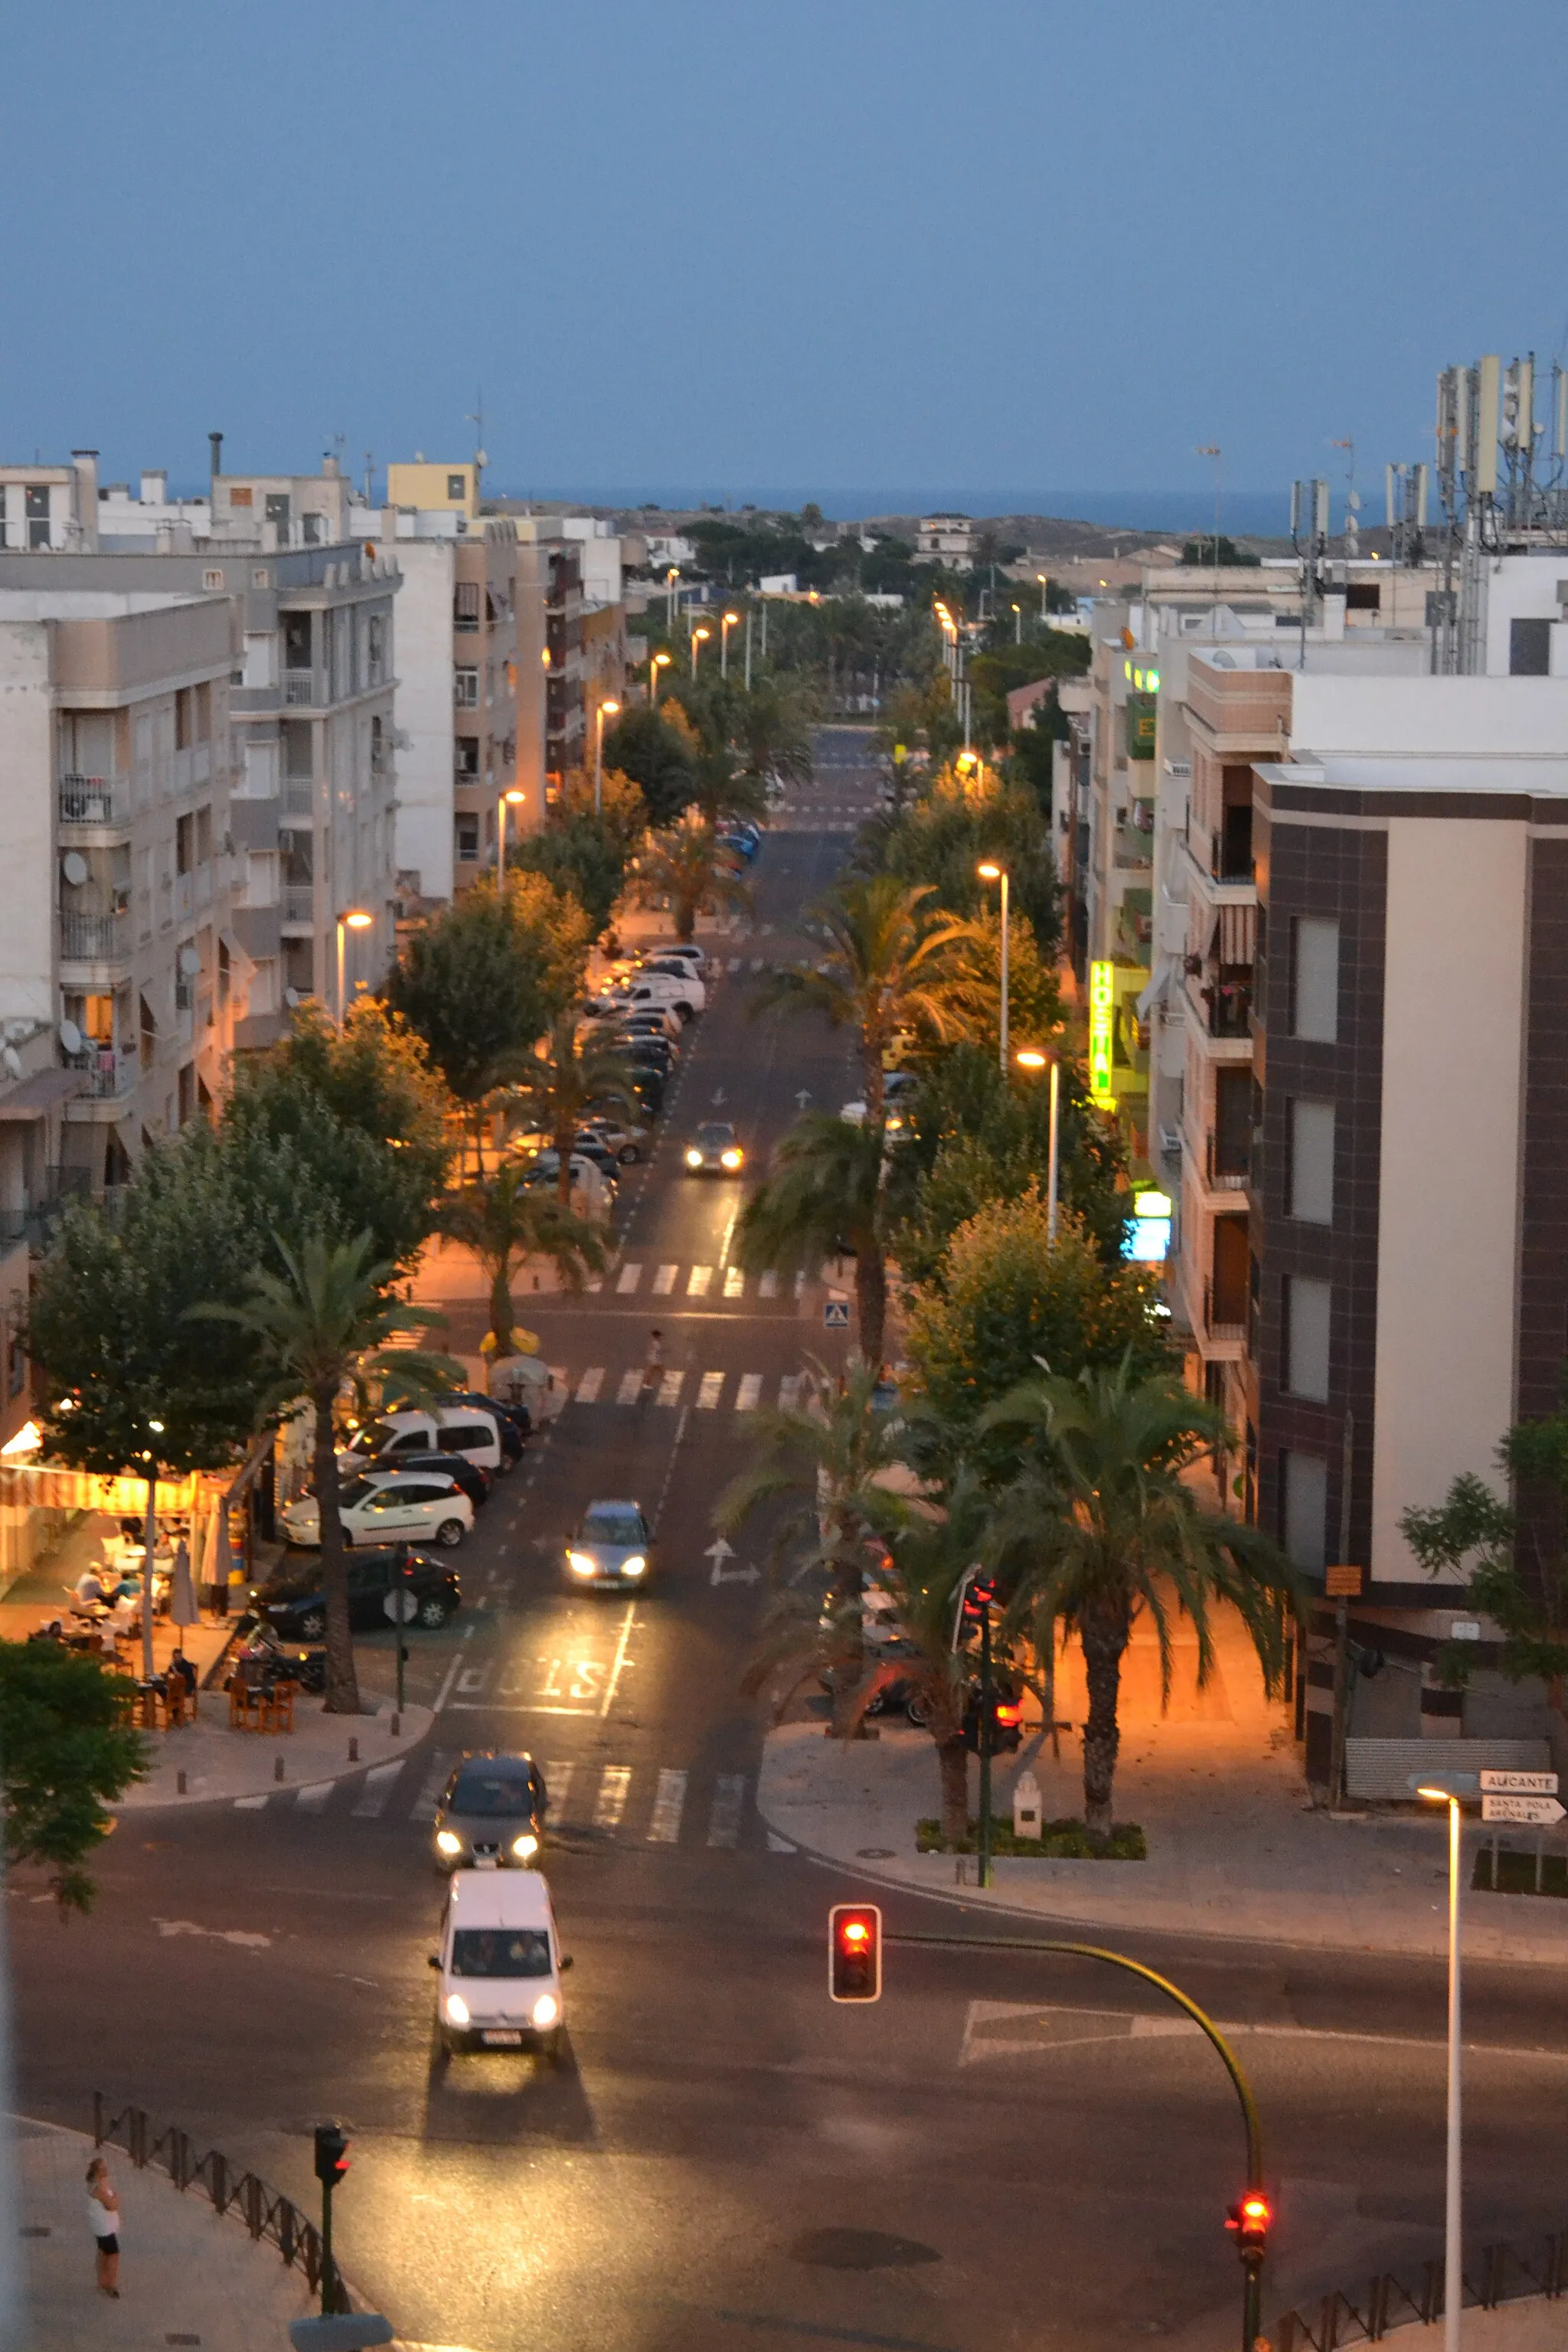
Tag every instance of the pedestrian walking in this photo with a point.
(653, 1364)
(104, 2220)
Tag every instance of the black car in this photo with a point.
(513, 1420)
(474, 1482)
(295, 1606)
(648, 1085)
(655, 1052)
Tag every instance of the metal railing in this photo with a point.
(1220, 1170)
(299, 796)
(1503, 2275)
(1217, 1323)
(298, 902)
(1228, 1006)
(95, 799)
(268, 2214)
(110, 1074)
(94, 938)
(303, 689)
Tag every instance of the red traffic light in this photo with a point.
(1005, 1711)
(332, 2154)
(1248, 2220)
(855, 1952)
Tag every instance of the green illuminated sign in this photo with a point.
(1101, 1031)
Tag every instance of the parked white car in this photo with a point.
(387, 1507)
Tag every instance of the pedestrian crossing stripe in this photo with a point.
(588, 1387)
(614, 1786)
(668, 1806)
(768, 1287)
(670, 1388)
(708, 1392)
(630, 1275)
(664, 1281)
(631, 1388)
(748, 1392)
(734, 1282)
(710, 1389)
(699, 1281)
(376, 1790)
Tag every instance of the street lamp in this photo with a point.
(517, 800)
(670, 577)
(656, 663)
(355, 919)
(989, 871)
(725, 626)
(1448, 1788)
(1045, 595)
(1017, 625)
(605, 709)
(1030, 1058)
(699, 637)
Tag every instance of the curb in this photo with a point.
(414, 1733)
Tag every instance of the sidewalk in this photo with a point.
(238, 1765)
(187, 2276)
(1236, 1848)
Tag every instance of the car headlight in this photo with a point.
(693, 1157)
(447, 1842)
(456, 2010)
(730, 1159)
(525, 1845)
(582, 1563)
(546, 2009)
(634, 1566)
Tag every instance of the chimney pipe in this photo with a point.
(216, 443)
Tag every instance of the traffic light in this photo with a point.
(855, 1952)
(1006, 1721)
(332, 2154)
(979, 1595)
(1249, 2220)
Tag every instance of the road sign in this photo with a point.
(1540, 1812)
(401, 1606)
(1519, 1784)
(836, 1314)
(1343, 1583)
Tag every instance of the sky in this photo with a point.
(980, 250)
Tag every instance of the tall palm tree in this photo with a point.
(324, 1318)
(886, 966)
(1101, 1527)
(504, 1221)
(837, 1464)
(772, 733)
(824, 1193)
(562, 1084)
(688, 866)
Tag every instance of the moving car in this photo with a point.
(491, 1811)
(386, 1506)
(474, 1482)
(499, 1967)
(459, 1428)
(713, 1150)
(294, 1607)
(612, 1546)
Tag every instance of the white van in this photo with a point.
(500, 1966)
(465, 1429)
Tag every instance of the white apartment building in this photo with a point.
(50, 506)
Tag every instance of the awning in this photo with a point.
(39, 1095)
(1158, 987)
(1237, 935)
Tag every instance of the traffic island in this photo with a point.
(207, 1763)
(1064, 1841)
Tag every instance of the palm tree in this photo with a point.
(837, 1463)
(772, 733)
(825, 1194)
(562, 1084)
(504, 1221)
(1101, 1527)
(688, 866)
(325, 1317)
(887, 966)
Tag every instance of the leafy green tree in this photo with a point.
(655, 746)
(886, 966)
(1005, 1302)
(690, 867)
(945, 835)
(773, 732)
(67, 1752)
(563, 1080)
(584, 850)
(1517, 1571)
(1048, 653)
(505, 1222)
(1101, 1527)
(824, 1195)
(324, 1320)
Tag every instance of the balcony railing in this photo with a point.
(32, 1221)
(1224, 1318)
(94, 938)
(95, 799)
(299, 796)
(110, 1074)
(1228, 1008)
(304, 689)
(1225, 1166)
(298, 902)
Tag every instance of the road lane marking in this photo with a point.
(728, 1797)
(558, 1787)
(708, 1390)
(749, 1393)
(620, 1658)
(698, 1281)
(378, 1784)
(734, 1283)
(664, 1827)
(769, 1286)
(310, 1800)
(1000, 2033)
(472, 1679)
(614, 1781)
(631, 1388)
(430, 1788)
(590, 1384)
(630, 1276)
(669, 1388)
(664, 1281)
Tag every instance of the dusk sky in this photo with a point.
(883, 246)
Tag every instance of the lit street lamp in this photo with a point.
(989, 871)
(1030, 1058)
(698, 638)
(606, 710)
(1045, 595)
(656, 663)
(517, 800)
(670, 577)
(1448, 1788)
(1017, 625)
(725, 626)
(354, 919)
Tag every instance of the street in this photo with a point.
(991, 2157)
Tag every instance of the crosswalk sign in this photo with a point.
(836, 1314)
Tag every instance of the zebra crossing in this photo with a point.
(666, 1391)
(701, 1282)
(629, 1804)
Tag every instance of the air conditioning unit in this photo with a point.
(1170, 1142)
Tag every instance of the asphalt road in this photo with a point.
(1003, 2153)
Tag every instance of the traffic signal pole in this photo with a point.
(985, 1840)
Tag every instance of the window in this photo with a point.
(1315, 979)
(466, 756)
(457, 488)
(466, 606)
(1232, 1121)
(1530, 649)
(501, 1952)
(278, 506)
(1304, 1510)
(242, 495)
(1310, 1178)
(204, 835)
(465, 688)
(1363, 596)
(295, 641)
(467, 839)
(377, 747)
(1308, 1313)
(375, 637)
(185, 843)
(310, 528)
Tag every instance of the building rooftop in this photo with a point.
(88, 604)
(1539, 773)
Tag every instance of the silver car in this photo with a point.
(490, 1815)
(612, 1546)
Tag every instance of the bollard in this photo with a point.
(278, 1767)
(179, 1784)
(354, 1752)
(396, 1726)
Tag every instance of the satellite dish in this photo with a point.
(11, 1059)
(74, 866)
(70, 1036)
(291, 998)
(190, 963)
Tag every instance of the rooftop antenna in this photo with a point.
(1310, 538)
(476, 417)
(1212, 449)
(369, 478)
(1353, 507)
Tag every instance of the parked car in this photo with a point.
(294, 1607)
(456, 1428)
(510, 1420)
(473, 1481)
(387, 1506)
(596, 1184)
(685, 952)
(611, 1546)
(490, 1811)
(714, 1150)
(628, 1144)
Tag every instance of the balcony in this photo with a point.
(94, 938)
(111, 1075)
(95, 799)
(33, 1219)
(1225, 1316)
(299, 796)
(1228, 1008)
(305, 689)
(1226, 1165)
(300, 902)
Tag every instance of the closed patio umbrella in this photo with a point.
(182, 1591)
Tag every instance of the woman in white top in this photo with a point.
(104, 2220)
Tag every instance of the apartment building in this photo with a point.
(50, 506)
(950, 539)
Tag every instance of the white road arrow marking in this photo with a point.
(719, 1553)
(804, 1096)
(717, 1094)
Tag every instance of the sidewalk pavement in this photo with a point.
(187, 2275)
(241, 1766)
(1236, 1850)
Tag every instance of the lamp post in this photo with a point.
(726, 624)
(610, 709)
(990, 871)
(149, 1550)
(1017, 625)
(749, 647)
(699, 637)
(670, 577)
(1448, 1788)
(656, 663)
(1030, 1058)
(516, 800)
(355, 919)
(1045, 597)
